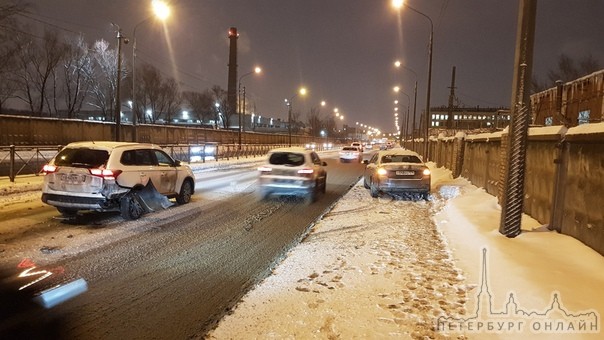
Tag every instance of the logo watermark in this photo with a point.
(512, 318)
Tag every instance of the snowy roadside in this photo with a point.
(374, 268)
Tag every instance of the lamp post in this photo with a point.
(302, 92)
(241, 110)
(118, 115)
(397, 90)
(398, 4)
(398, 64)
(160, 11)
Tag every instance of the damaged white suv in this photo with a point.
(132, 178)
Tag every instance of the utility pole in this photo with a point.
(512, 199)
(451, 98)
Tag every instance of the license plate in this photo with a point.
(72, 178)
(405, 173)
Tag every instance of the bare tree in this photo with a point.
(222, 114)
(75, 69)
(170, 98)
(9, 48)
(37, 63)
(568, 69)
(101, 77)
(314, 121)
(150, 87)
(201, 104)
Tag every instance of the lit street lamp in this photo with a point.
(399, 4)
(302, 92)
(398, 64)
(160, 11)
(241, 110)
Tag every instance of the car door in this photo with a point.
(370, 168)
(164, 172)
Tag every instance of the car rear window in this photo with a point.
(286, 158)
(401, 159)
(81, 157)
(350, 148)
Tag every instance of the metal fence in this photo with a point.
(28, 160)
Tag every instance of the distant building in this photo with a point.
(470, 118)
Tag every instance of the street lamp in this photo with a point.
(399, 4)
(256, 70)
(160, 11)
(301, 92)
(398, 90)
(398, 64)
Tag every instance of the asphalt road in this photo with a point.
(175, 273)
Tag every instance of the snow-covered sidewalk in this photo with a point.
(378, 268)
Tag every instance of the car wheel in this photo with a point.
(67, 212)
(373, 190)
(365, 184)
(311, 197)
(324, 187)
(130, 207)
(186, 190)
(426, 196)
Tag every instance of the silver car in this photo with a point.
(397, 171)
(293, 172)
(132, 178)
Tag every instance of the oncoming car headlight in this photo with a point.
(426, 172)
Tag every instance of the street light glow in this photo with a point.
(257, 69)
(397, 3)
(161, 9)
(396, 88)
(303, 91)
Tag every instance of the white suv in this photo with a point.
(132, 178)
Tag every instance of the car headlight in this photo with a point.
(382, 171)
(426, 172)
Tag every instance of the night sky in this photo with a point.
(342, 51)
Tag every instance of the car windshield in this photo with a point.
(81, 157)
(401, 159)
(286, 158)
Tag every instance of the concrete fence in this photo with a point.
(564, 174)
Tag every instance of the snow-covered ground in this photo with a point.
(378, 268)
(372, 269)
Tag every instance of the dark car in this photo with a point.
(397, 171)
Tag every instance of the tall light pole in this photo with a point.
(398, 4)
(302, 92)
(241, 107)
(118, 106)
(160, 11)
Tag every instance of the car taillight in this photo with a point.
(426, 172)
(306, 172)
(49, 169)
(105, 173)
(382, 171)
(265, 169)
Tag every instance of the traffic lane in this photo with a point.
(177, 278)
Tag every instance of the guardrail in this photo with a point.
(28, 160)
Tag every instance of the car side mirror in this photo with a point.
(177, 163)
(324, 163)
(366, 161)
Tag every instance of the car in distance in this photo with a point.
(292, 172)
(397, 171)
(132, 178)
(358, 145)
(351, 153)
